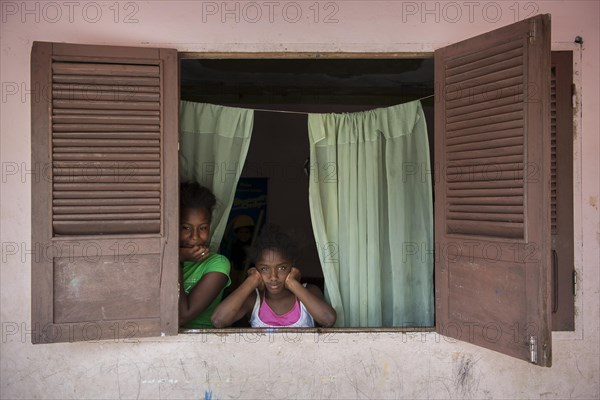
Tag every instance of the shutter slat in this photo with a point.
(486, 192)
(104, 194)
(492, 143)
(99, 149)
(67, 68)
(106, 105)
(79, 209)
(509, 162)
(91, 88)
(471, 168)
(106, 80)
(493, 184)
(105, 202)
(470, 114)
(105, 142)
(497, 127)
(108, 217)
(483, 208)
(104, 128)
(492, 154)
(482, 137)
(107, 227)
(107, 156)
(466, 163)
(120, 165)
(101, 95)
(105, 186)
(104, 119)
(511, 230)
(83, 111)
(107, 135)
(485, 121)
(468, 175)
(490, 217)
(489, 200)
(91, 177)
(130, 170)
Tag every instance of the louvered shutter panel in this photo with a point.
(493, 190)
(484, 143)
(105, 147)
(104, 228)
(561, 128)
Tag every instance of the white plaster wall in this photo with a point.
(349, 365)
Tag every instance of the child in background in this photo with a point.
(243, 229)
(272, 295)
(203, 275)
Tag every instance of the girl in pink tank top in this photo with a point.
(272, 295)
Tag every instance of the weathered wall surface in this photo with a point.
(344, 365)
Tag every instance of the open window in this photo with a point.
(107, 126)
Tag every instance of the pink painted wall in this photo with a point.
(348, 365)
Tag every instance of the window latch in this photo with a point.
(532, 32)
(533, 349)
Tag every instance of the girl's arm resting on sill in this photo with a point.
(201, 295)
(313, 300)
(239, 303)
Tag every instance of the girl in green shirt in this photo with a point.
(203, 275)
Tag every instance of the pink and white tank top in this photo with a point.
(264, 317)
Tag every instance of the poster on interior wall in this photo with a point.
(247, 217)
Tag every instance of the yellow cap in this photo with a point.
(241, 221)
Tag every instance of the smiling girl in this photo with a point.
(203, 275)
(272, 295)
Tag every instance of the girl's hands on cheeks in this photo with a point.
(197, 254)
(294, 275)
(257, 278)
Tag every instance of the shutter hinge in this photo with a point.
(573, 97)
(533, 349)
(574, 283)
(532, 32)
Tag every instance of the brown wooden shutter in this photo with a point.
(492, 200)
(104, 128)
(563, 298)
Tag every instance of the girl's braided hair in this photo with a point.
(273, 237)
(194, 195)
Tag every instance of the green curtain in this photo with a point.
(370, 197)
(213, 144)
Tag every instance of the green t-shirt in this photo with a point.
(193, 272)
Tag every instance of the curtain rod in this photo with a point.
(306, 113)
